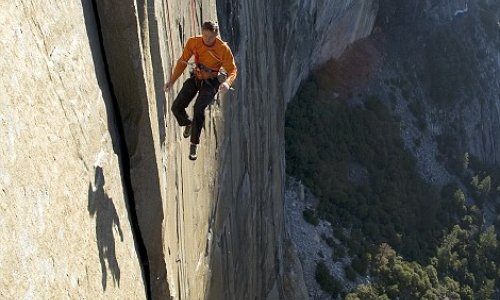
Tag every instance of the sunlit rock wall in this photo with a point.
(63, 216)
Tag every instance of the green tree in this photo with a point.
(466, 160)
(326, 281)
(488, 242)
(484, 186)
(459, 198)
(350, 273)
(367, 292)
(310, 217)
(486, 289)
(475, 181)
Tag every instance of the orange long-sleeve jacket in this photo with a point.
(213, 57)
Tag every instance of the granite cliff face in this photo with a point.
(64, 221)
(287, 40)
(98, 196)
(447, 60)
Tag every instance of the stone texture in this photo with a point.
(223, 214)
(473, 115)
(277, 44)
(125, 31)
(294, 286)
(63, 216)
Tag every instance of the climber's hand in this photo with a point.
(168, 85)
(223, 88)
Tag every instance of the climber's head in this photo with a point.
(209, 31)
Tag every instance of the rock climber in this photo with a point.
(210, 54)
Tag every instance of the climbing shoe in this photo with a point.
(192, 152)
(187, 131)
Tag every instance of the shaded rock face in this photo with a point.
(294, 36)
(276, 44)
(97, 192)
(446, 54)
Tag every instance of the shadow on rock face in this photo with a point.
(117, 66)
(102, 208)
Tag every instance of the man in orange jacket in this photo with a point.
(210, 53)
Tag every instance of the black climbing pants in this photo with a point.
(207, 90)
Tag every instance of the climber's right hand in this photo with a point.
(168, 85)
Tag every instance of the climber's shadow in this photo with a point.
(102, 207)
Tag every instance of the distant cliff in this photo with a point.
(440, 67)
(420, 95)
(98, 197)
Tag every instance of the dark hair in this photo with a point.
(211, 26)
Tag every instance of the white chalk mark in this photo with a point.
(100, 158)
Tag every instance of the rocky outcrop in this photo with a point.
(275, 50)
(447, 63)
(435, 64)
(95, 170)
(230, 201)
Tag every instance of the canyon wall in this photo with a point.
(64, 217)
